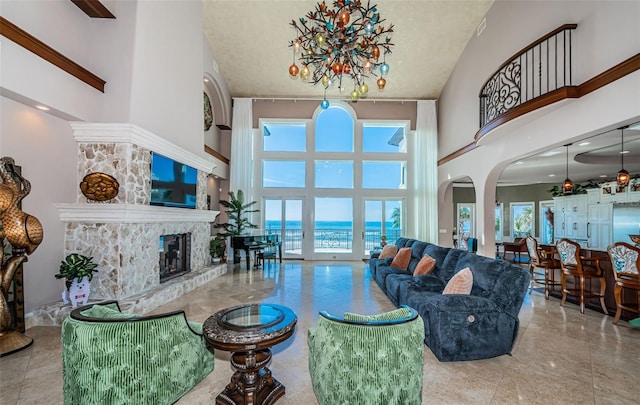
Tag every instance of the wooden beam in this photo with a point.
(93, 8)
(33, 44)
(216, 154)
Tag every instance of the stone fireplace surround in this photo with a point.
(122, 235)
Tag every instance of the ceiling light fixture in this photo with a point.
(623, 175)
(567, 186)
(345, 41)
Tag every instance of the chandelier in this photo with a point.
(348, 42)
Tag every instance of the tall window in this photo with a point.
(335, 163)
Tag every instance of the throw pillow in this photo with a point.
(402, 258)
(460, 283)
(388, 251)
(425, 265)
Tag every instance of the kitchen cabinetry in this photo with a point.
(570, 217)
(599, 226)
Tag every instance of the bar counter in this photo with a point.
(628, 296)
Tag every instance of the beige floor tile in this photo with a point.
(560, 355)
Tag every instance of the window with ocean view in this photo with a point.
(333, 187)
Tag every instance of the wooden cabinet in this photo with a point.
(599, 226)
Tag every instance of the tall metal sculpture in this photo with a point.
(24, 233)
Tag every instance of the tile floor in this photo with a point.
(560, 356)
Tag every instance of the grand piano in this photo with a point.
(255, 242)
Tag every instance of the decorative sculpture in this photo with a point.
(24, 233)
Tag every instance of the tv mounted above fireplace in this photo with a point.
(173, 184)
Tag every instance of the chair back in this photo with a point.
(569, 252)
(367, 359)
(625, 260)
(532, 249)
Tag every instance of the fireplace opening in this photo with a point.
(175, 255)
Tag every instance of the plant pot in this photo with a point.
(216, 260)
(76, 292)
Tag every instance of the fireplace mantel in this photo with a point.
(130, 213)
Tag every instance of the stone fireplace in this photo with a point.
(123, 234)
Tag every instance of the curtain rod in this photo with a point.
(402, 100)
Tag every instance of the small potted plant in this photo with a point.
(217, 248)
(77, 270)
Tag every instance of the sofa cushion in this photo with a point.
(425, 265)
(401, 259)
(394, 283)
(105, 312)
(388, 251)
(460, 283)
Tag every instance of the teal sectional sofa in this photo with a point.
(480, 325)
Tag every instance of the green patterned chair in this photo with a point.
(367, 359)
(109, 357)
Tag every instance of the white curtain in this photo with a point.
(426, 179)
(241, 170)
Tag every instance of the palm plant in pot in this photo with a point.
(237, 211)
(77, 270)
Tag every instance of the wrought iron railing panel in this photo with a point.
(333, 239)
(540, 68)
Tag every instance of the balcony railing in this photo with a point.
(333, 239)
(541, 68)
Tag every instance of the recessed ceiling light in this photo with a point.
(604, 176)
(42, 107)
(624, 152)
(550, 153)
(552, 175)
(584, 143)
(206, 80)
(520, 162)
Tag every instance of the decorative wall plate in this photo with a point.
(208, 113)
(99, 187)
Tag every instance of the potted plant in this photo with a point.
(77, 270)
(217, 248)
(236, 210)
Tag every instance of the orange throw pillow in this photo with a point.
(388, 251)
(402, 258)
(460, 283)
(425, 265)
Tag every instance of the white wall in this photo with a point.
(166, 92)
(607, 34)
(45, 149)
(151, 57)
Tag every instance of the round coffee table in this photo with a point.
(249, 331)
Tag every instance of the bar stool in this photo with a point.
(580, 268)
(625, 260)
(544, 259)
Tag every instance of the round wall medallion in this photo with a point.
(99, 187)
(208, 113)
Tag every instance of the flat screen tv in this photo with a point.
(173, 184)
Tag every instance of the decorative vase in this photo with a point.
(76, 291)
